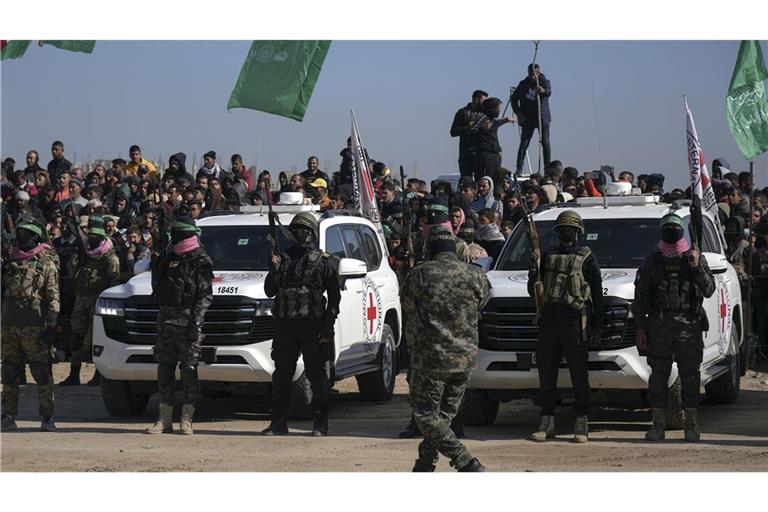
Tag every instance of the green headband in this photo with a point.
(438, 208)
(181, 226)
(671, 218)
(96, 231)
(31, 227)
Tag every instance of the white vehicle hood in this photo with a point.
(514, 283)
(249, 284)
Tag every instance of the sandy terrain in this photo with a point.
(363, 437)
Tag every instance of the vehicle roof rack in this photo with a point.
(642, 200)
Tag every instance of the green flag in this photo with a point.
(279, 76)
(746, 104)
(12, 49)
(72, 46)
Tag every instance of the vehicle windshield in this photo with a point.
(238, 247)
(617, 243)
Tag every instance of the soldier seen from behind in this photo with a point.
(30, 307)
(670, 287)
(441, 299)
(570, 317)
(304, 321)
(181, 281)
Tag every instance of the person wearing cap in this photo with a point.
(670, 287)
(93, 270)
(320, 187)
(570, 318)
(441, 299)
(139, 165)
(182, 284)
(30, 306)
(298, 279)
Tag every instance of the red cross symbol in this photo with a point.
(371, 311)
(723, 310)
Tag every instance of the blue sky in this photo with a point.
(618, 103)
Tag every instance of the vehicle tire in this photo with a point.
(301, 399)
(120, 401)
(674, 412)
(477, 408)
(378, 386)
(725, 389)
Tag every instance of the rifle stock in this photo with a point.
(538, 285)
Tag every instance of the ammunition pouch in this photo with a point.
(564, 281)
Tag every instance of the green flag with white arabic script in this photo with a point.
(72, 45)
(746, 104)
(279, 76)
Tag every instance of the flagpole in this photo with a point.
(748, 264)
(538, 98)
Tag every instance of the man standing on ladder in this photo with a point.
(530, 103)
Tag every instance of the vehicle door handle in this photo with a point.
(379, 285)
(719, 270)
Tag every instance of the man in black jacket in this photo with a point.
(488, 147)
(59, 163)
(526, 107)
(464, 127)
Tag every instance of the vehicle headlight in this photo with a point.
(263, 307)
(109, 307)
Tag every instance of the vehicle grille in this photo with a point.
(507, 324)
(230, 320)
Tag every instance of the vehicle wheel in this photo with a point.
(301, 399)
(674, 412)
(378, 386)
(477, 408)
(120, 401)
(725, 389)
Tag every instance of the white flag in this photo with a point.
(701, 184)
(365, 197)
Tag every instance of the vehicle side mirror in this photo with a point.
(351, 268)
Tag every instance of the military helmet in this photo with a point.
(673, 219)
(571, 219)
(307, 220)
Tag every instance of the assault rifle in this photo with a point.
(538, 285)
(159, 253)
(407, 222)
(272, 226)
(74, 227)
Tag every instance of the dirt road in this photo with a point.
(363, 438)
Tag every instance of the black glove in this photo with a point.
(48, 336)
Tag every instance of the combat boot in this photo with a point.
(423, 467)
(8, 422)
(96, 380)
(472, 466)
(185, 423)
(545, 431)
(164, 424)
(278, 427)
(47, 425)
(581, 430)
(74, 376)
(320, 424)
(656, 433)
(411, 431)
(692, 425)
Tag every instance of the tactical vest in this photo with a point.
(671, 289)
(178, 282)
(298, 296)
(23, 280)
(90, 277)
(564, 281)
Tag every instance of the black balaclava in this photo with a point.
(183, 228)
(303, 237)
(671, 233)
(26, 239)
(567, 235)
(94, 241)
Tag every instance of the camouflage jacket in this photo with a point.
(31, 291)
(94, 275)
(441, 300)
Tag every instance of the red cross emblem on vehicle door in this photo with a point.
(371, 312)
(723, 310)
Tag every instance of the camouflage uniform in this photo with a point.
(30, 305)
(441, 300)
(89, 279)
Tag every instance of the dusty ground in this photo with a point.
(363, 438)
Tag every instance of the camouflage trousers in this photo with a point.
(679, 340)
(81, 323)
(173, 348)
(436, 398)
(21, 345)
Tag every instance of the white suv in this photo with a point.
(239, 326)
(621, 235)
